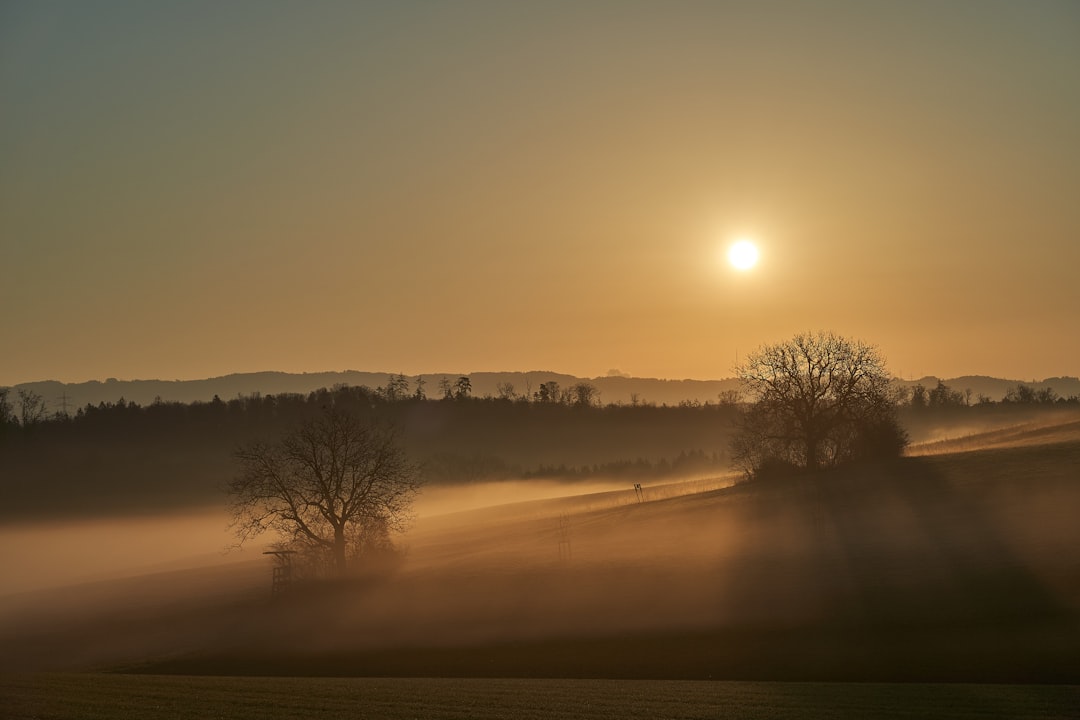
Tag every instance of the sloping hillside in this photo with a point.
(1048, 430)
(954, 566)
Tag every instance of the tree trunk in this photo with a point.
(340, 560)
(812, 451)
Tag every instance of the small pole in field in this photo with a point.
(564, 538)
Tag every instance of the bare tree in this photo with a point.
(505, 391)
(584, 394)
(31, 408)
(7, 411)
(730, 397)
(548, 392)
(1026, 394)
(329, 486)
(820, 400)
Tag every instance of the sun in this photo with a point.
(743, 255)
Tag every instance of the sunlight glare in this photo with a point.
(743, 255)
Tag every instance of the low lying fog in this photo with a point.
(933, 541)
(1059, 427)
(40, 555)
(928, 430)
(45, 554)
(440, 500)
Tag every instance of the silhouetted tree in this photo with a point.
(505, 391)
(548, 392)
(397, 388)
(821, 400)
(326, 486)
(1046, 395)
(944, 396)
(1020, 393)
(462, 388)
(31, 408)
(730, 397)
(7, 411)
(584, 394)
(420, 383)
(1027, 395)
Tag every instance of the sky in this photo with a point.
(192, 189)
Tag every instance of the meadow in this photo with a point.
(944, 585)
(93, 697)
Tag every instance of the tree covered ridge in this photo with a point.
(117, 457)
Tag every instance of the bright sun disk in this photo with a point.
(743, 255)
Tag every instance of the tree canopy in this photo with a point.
(819, 400)
(336, 485)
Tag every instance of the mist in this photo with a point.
(43, 554)
(977, 532)
(437, 500)
(555, 562)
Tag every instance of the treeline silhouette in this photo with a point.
(933, 412)
(121, 457)
(124, 457)
(920, 397)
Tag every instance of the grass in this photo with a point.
(91, 696)
(933, 588)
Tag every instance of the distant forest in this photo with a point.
(124, 457)
(614, 388)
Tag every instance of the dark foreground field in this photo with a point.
(89, 697)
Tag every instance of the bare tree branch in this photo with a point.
(332, 482)
(820, 400)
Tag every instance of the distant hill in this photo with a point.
(613, 389)
(144, 392)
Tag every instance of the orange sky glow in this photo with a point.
(194, 189)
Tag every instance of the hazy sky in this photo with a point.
(191, 189)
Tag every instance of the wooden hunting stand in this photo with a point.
(283, 571)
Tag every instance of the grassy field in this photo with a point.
(957, 567)
(92, 696)
(848, 596)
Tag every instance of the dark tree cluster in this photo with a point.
(940, 396)
(818, 400)
(116, 457)
(943, 397)
(1022, 394)
(333, 488)
(25, 409)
